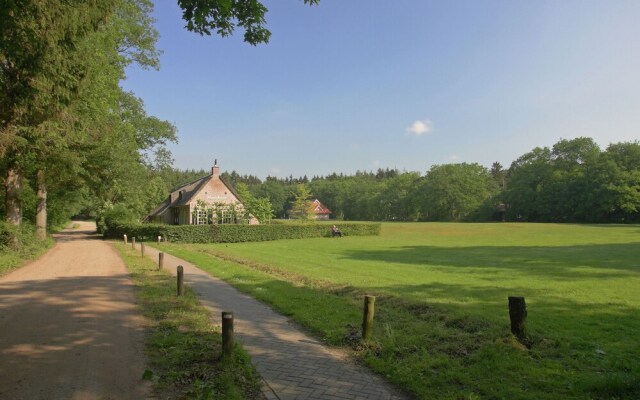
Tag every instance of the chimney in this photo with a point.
(215, 171)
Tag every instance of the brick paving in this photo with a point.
(292, 364)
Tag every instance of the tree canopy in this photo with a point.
(222, 17)
(68, 130)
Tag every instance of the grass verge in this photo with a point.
(24, 249)
(182, 345)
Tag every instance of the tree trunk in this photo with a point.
(13, 186)
(41, 207)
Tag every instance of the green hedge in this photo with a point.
(235, 233)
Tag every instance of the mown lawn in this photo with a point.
(442, 324)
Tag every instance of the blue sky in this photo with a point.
(364, 84)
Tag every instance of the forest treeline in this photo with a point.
(573, 181)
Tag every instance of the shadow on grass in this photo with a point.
(576, 350)
(565, 262)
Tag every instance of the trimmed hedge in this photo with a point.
(232, 233)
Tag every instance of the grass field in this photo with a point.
(442, 324)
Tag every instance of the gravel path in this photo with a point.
(68, 325)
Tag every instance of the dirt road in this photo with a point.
(68, 325)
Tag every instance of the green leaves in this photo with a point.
(222, 16)
(454, 191)
(576, 182)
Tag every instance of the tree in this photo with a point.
(576, 182)
(67, 115)
(499, 175)
(260, 208)
(222, 16)
(528, 177)
(41, 69)
(395, 201)
(302, 207)
(275, 192)
(453, 191)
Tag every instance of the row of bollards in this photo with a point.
(227, 316)
(517, 308)
(517, 315)
(160, 239)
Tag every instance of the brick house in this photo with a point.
(320, 210)
(208, 200)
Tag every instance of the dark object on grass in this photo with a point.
(335, 231)
(518, 316)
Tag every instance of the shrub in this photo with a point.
(10, 236)
(112, 215)
(232, 233)
(17, 244)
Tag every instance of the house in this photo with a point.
(208, 200)
(320, 210)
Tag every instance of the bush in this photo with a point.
(114, 215)
(18, 244)
(231, 233)
(10, 236)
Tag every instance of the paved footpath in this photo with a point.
(293, 365)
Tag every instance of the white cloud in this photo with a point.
(419, 128)
(453, 157)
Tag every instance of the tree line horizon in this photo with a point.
(573, 181)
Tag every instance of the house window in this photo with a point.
(227, 217)
(176, 216)
(202, 217)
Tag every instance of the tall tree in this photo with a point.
(77, 89)
(302, 205)
(453, 191)
(41, 70)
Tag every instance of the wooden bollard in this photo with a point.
(125, 239)
(518, 316)
(227, 332)
(367, 316)
(142, 249)
(133, 242)
(160, 260)
(180, 280)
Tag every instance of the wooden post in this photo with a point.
(367, 317)
(142, 249)
(180, 280)
(125, 239)
(133, 242)
(160, 260)
(518, 316)
(227, 332)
